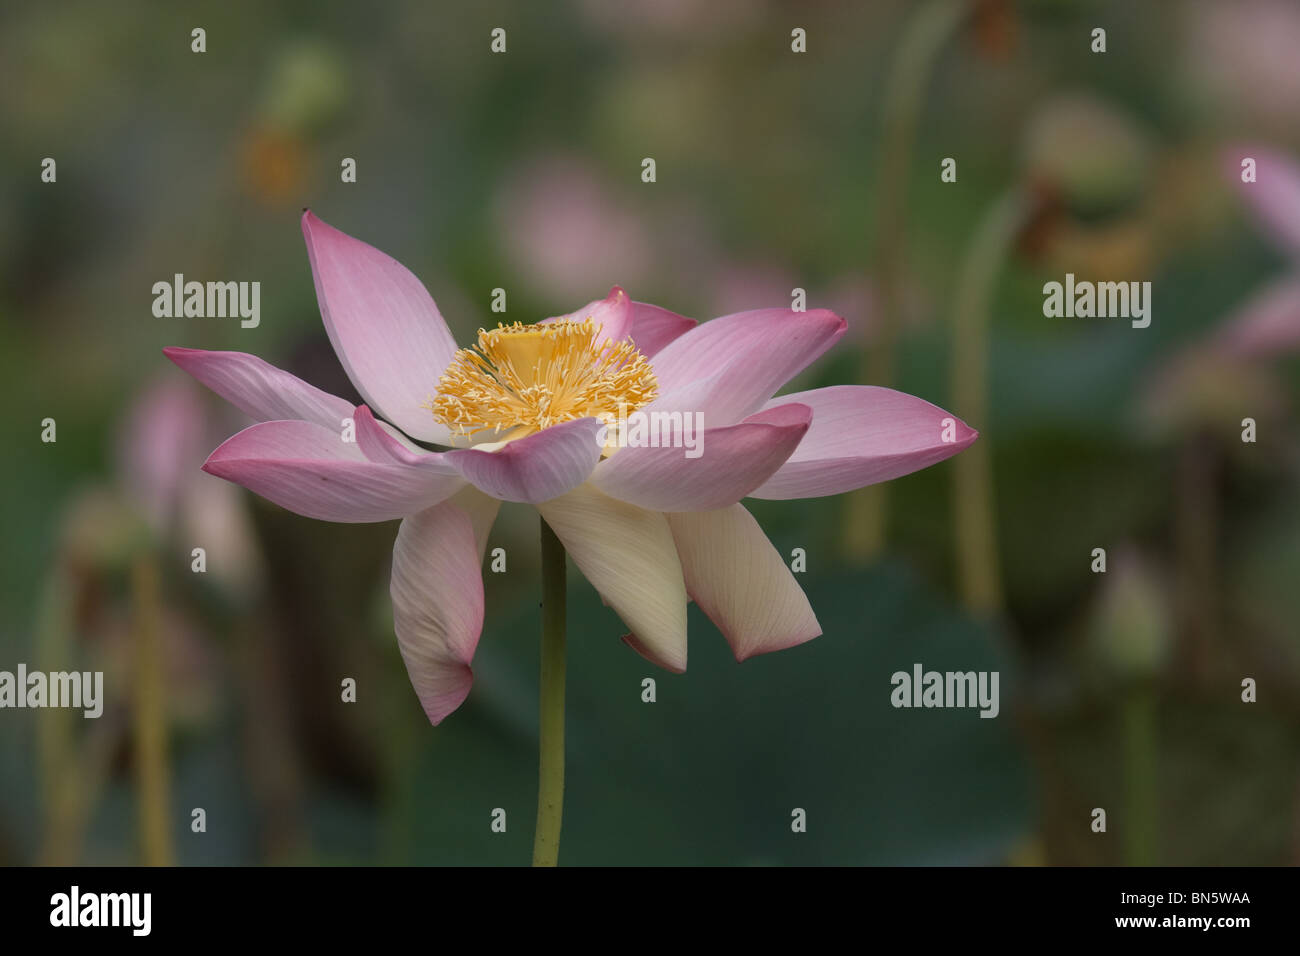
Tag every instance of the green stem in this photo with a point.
(550, 768)
(923, 39)
(1139, 731)
(1196, 533)
(976, 531)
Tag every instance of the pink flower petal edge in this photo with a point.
(259, 389)
(728, 367)
(741, 582)
(437, 593)
(653, 327)
(627, 554)
(613, 314)
(860, 435)
(536, 468)
(312, 471)
(383, 325)
(733, 461)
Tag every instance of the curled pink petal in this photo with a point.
(732, 462)
(312, 471)
(741, 582)
(653, 327)
(382, 443)
(259, 389)
(386, 329)
(437, 593)
(728, 367)
(860, 435)
(542, 466)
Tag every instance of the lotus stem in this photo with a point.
(550, 766)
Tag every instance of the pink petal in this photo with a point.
(437, 592)
(862, 434)
(259, 389)
(482, 510)
(386, 329)
(1275, 194)
(382, 443)
(613, 314)
(734, 460)
(728, 367)
(310, 470)
(628, 556)
(741, 582)
(653, 327)
(1268, 324)
(542, 466)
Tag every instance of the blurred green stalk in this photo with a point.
(56, 750)
(1196, 534)
(550, 769)
(152, 774)
(72, 771)
(918, 50)
(978, 572)
(1139, 732)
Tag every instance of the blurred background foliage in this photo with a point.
(1120, 690)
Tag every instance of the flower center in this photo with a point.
(519, 379)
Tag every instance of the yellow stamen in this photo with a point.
(519, 379)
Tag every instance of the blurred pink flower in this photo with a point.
(1217, 379)
(163, 431)
(1274, 196)
(1268, 324)
(647, 526)
(160, 435)
(560, 226)
(743, 285)
(1244, 54)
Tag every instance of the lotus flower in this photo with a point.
(524, 416)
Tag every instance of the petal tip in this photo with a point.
(743, 654)
(673, 665)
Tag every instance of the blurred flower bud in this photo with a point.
(564, 231)
(160, 442)
(1207, 388)
(1097, 159)
(306, 91)
(1129, 631)
(164, 439)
